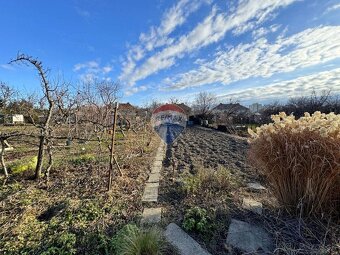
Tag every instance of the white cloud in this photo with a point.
(93, 65)
(107, 69)
(318, 82)
(263, 59)
(213, 28)
(332, 8)
(133, 90)
(92, 70)
(159, 36)
(7, 66)
(82, 12)
(262, 31)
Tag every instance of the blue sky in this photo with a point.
(244, 50)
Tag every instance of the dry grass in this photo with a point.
(207, 179)
(73, 213)
(303, 170)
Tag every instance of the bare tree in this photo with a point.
(45, 131)
(324, 102)
(204, 103)
(6, 94)
(100, 109)
(173, 100)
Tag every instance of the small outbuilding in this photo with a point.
(12, 119)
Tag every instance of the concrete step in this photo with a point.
(154, 177)
(151, 215)
(184, 243)
(150, 192)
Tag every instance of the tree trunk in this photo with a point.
(40, 159)
(50, 159)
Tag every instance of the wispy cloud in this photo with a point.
(262, 31)
(82, 12)
(133, 90)
(263, 59)
(247, 15)
(318, 82)
(159, 36)
(91, 70)
(7, 66)
(332, 8)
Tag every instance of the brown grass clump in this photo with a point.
(207, 179)
(301, 160)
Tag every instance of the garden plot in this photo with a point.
(208, 183)
(73, 213)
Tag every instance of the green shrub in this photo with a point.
(97, 243)
(83, 159)
(132, 240)
(197, 220)
(87, 211)
(207, 179)
(23, 165)
(119, 135)
(64, 244)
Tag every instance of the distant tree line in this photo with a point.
(325, 102)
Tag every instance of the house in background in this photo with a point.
(232, 112)
(185, 108)
(12, 119)
(17, 119)
(255, 107)
(127, 110)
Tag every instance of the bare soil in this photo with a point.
(203, 148)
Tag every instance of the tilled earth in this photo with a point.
(203, 148)
(208, 148)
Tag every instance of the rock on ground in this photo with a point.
(252, 205)
(249, 238)
(184, 243)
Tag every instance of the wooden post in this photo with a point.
(112, 148)
(3, 145)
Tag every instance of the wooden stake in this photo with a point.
(112, 148)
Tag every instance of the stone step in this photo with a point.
(151, 215)
(156, 169)
(184, 243)
(249, 238)
(158, 163)
(154, 177)
(150, 192)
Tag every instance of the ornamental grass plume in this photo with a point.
(301, 160)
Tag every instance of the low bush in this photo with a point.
(83, 159)
(132, 240)
(23, 165)
(86, 212)
(207, 179)
(197, 220)
(64, 244)
(301, 159)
